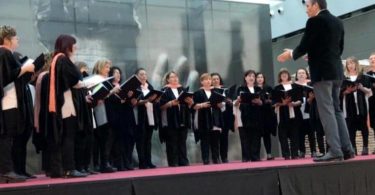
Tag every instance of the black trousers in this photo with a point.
(250, 143)
(19, 151)
(62, 153)
(305, 129)
(267, 142)
(6, 140)
(358, 123)
(103, 144)
(288, 130)
(224, 145)
(129, 144)
(210, 141)
(118, 146)
(176, 147)
(143, 145)
(83, 149)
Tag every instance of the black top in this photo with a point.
(207, 117)
(351, 106)
(323, 41)
(177, 116)
(9, 70)
(142, 112)
(250, 113)
(66, 76)
(268, 112)
(284, 110)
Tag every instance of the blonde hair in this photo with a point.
(204, 76)
(355, 61)
(99, 65)
(6, 32)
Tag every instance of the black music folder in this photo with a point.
(247, 97)
(132, 84)
(101, 90)
(216, 98)
(154, 92)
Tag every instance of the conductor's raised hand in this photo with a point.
(285, 56)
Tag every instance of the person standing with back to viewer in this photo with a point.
(323, 41)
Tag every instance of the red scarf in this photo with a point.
(52, 86)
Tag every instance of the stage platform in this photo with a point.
(303, 176)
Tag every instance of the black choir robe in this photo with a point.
(250, 114)
(351, 108)
(9, 70)
(207, 117)
(284, 110)
(66, 75)
(142, 113)
(39, 138)
(177, 116)
(83, 110)
(268, 112)
(371, 100)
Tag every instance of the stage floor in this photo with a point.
(42, 180)
(277, 177)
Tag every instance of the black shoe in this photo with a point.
(73, 174)
(328, 158)
(287, 158)
(224, 160)
(348, 155)
(28, 175)
(97, 168)
(296, 157)
(151, 166)
(142, 167)
(108, 169)
(215, 161)
(364, 151)
(129, 167)
(12, 177)
(83, 171)
(270, 157)
(91, 172)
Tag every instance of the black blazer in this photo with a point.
(323, 41)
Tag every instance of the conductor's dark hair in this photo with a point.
(64, 44)
(322, 3)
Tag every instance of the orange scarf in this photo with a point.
(52, 86)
